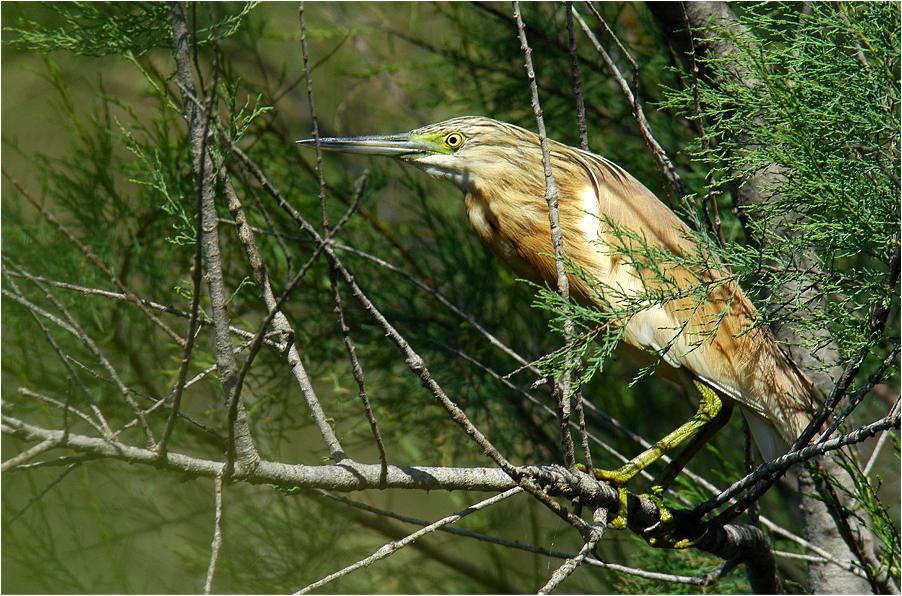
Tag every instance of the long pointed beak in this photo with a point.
(393, 145)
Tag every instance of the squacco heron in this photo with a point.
(499, 167)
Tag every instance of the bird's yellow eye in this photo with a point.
(454, 140)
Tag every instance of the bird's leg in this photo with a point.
(665, 478)
(665, 533)
(709, 406)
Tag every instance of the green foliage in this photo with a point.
(97, 29)
(871, 513)
(813, 99)
(111, 29)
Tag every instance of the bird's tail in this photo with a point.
(804, 398)
(791, 404)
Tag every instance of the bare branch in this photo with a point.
(577, 82)
(563, 383)
(875, 453)
(35, 499)
(348, 476)
(217, 531)
(677, 185)
(239, 431)
(599, 523)
(95, 350)
(36, 313)
(492, 339)
(64, 406)
(193, 321)
(392, 547)
(31, 453)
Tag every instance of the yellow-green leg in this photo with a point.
(664, 480)
(709, 406)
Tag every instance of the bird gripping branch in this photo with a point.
(701, 344)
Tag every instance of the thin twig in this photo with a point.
(93, 259)
(55, 463)
(104, 428)
(584, 144)
(280, 321)
(67, 406)
(625, 52)
(95, 350)
(217, 532)
(356, 367)
(875, 453)
(492, 339)
(31, 502)
(562, 387)
(799, 556)
(677, 185)
(577, 81)
(599, 522)
(523, 546)
(166, 308)
(30, 453)
(392, 547)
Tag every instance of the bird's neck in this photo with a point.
(514, 224)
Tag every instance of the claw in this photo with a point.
(664, 533)
(619, 480)
(620, 520)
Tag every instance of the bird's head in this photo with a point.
(467, 151)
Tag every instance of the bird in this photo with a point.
(710, 344)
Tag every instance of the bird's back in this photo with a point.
(637, 248)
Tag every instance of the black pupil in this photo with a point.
(453, 140)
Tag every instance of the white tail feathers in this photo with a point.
(769, 441)
(790, 407)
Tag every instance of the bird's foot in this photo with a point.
(618, 478)
(666, 533)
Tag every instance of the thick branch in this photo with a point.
(241, 440)
(348, 476)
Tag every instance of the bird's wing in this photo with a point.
(719, 344)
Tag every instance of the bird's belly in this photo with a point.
(638, 358)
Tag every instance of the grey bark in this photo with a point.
(245, 452)
(732, 541)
